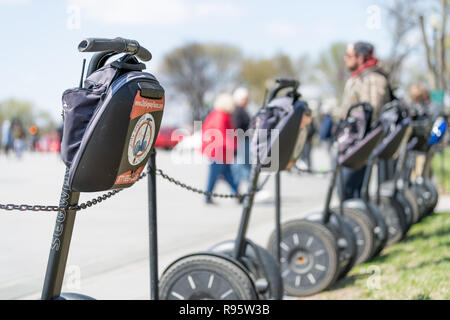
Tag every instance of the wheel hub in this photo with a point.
(301, 261)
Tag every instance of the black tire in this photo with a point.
(408, 209)
(419, 192)
(362, 227)
(411, 198)
(267, 269)
(380, 231)
(309, 257)
(350, 248)
(211, 278)
(273, 272)
(395, 218)
(434, 196)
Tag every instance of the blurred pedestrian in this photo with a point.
(7, 138)
(241, 120)
(306, 152)
(422, 103)
(424, 107)
(219, 146)
(18, 133)
(367, 83)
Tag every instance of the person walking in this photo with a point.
(367, 83)
(422, 106)
(307, 148)
(241, 119)
(18, 133)
(218, 143)
(7, 138)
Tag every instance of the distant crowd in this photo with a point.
(16, 137)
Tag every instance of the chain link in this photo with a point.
(199, 191)
(105, 196)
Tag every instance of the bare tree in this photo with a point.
(196, 69)
(332, 70)
(402, 20)
(256, 73)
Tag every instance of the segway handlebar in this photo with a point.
(366, 106)
(117, 45)
(282, 84)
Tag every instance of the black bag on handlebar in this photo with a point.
(278, 139)
(110, 126)
(357, 137)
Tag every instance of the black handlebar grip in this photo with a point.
(283, 82)
(100, 44)
(118, 45)
(144, 54)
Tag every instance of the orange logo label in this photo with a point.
(129, 176)
(143, 105)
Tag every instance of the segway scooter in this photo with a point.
(318, 249)
(422, 188)
(110, 125)
(423, 184)
(391, 203)
(240, 269)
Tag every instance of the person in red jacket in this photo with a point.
(219, 142)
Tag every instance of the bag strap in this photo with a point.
(386, 75)
(128, 62)
(128, 66)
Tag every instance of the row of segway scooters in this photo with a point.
(323, 247)
(110, 124)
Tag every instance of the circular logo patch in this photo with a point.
(141, 139)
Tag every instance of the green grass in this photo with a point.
(441, 169)
(417, 268)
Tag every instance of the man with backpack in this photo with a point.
(367, 83)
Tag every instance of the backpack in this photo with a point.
(356, 137)
(110, 126)
(277, 138)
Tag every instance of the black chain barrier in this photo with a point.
(313, 171)
(94, 201)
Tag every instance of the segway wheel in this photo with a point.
(362, 227)
(380, 231)
(409, 195)
(261, 265)
(348, 250)
(419, 194)
(309, 257)
(393, 214)
(433, 196)
(206, 277)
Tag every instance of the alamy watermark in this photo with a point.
(73, 21)
(373, 21)
(72, 278)
(374, 280)
(235, 146)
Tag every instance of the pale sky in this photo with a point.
(40, 37)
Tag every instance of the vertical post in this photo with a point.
(152, 222)
(239, 248)
(326, 212)
(277, 216)
(367, 175)
(341, 194)
(59, 250)
(427, 166)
